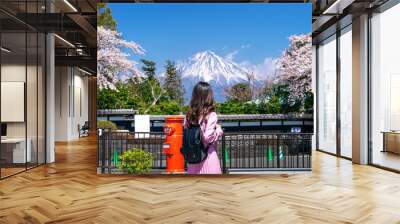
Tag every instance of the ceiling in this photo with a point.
(330, 15)
(203, 1)
(325, 12)
(73, 22)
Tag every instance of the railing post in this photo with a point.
(310, 151)
(98, 149)
(278, 151)
(103, 159)
(109, 133)
(223, 154)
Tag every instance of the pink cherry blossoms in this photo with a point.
(294, 67)
(112, 58)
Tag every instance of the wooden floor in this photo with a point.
(70, 191)
(5, 172)
(387, 159)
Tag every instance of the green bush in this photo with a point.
(136, 161)
(106, 125)
(171, 107)
(231, 107)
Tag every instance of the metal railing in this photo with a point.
(237, 151)
(111, 144)
(265, 151)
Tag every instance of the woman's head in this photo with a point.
(202, 102)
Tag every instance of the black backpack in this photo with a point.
(193, 149)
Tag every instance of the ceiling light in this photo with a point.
(337, 7)
(70, 5)
(64, 40)
(5, 50)
(330, 8)
(86, 72)
(79, 51)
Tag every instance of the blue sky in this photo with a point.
(249, 32)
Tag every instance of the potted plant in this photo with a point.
(136, 161)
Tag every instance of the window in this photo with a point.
(385, 88)
(23, 91)
(327, 95)
(346, 92)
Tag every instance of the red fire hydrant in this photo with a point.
(173, 130)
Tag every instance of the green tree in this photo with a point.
(166, 107)
(149, 69)
(173, 83)
(120, 98)
(104, 17)
(309, 102)
(231, 107)
(250, 108)
(106, 98)
(274, 105)
(150, 89)
(241, 92)
(276, 98)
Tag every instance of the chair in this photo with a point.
(84, 130)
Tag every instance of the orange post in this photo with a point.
(173, 129)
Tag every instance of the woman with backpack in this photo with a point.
(201, 114)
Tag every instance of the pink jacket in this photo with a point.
(210, 132)
(209, 129)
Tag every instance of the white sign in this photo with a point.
(12, 101)
(142, 126)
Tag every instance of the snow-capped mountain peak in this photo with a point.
(208, 66)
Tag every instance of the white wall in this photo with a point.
(71, 102)
(33, 126)
(62, 82)
(12, 73)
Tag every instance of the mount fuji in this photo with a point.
(207, 66)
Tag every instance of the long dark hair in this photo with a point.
(201, 104)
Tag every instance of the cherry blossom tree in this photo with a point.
(294, 68)
(113, 58)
